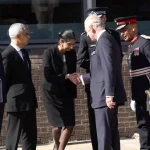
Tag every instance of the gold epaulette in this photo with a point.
(145, 36)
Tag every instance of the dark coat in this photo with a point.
(55, 70)
(19, 87)
(105, 76)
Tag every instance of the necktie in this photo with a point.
(24, 58)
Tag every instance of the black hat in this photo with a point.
(100, 11)
(124, 21)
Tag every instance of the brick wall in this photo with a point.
(127, 123)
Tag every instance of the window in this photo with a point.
(121, 8)
(45, 18)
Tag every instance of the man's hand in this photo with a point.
(110, 103)
(74, 77)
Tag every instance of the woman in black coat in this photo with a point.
(59, 92)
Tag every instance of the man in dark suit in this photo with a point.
(86, 47)
(21, 99)
(106, 84)
(2, 92)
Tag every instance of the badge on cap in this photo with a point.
(136, 51)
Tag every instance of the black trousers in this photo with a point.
(92, 123)
(22, 124)
(143, 123)
(1, 115)
(107, 128)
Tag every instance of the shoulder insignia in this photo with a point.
(83, 33)
(145, 36)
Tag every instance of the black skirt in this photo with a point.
(60, 110)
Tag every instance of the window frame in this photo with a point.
(50, 40)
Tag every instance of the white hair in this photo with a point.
(16, 28)
(94, 20)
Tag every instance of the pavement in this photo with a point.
(126, 144)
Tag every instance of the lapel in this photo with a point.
(103, 34)
(16, 54)
(18, 57)
(57, 61)
(95, 51)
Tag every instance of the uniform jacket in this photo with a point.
(86, 47)
(139, 58)
(55, 70)
(105, 76)
(19, 87)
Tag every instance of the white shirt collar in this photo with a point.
(15, 47)
(100, 33)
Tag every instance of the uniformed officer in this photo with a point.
(86, 47)
(139, 66)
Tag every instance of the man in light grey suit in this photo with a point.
(106, 84)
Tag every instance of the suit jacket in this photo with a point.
(55, 70)
(105, 75)
(87, 46)
(19, 87)
(116, 35)
(2, 82)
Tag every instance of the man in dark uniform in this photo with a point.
(139, 66)
(86, 47)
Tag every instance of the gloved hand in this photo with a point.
(132, 105)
